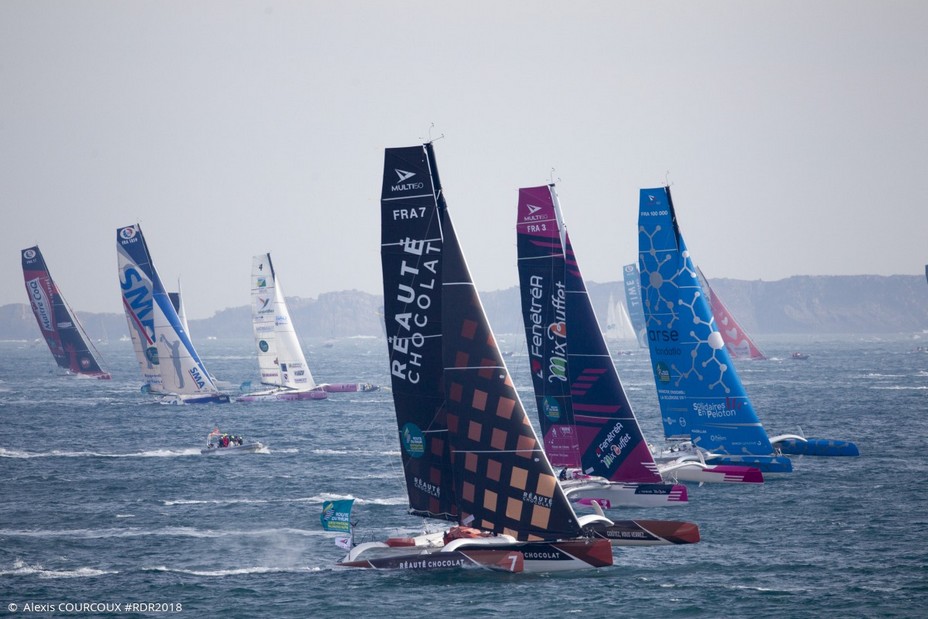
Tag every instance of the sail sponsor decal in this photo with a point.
(261, 282)
(263, 346)
(197, 377)
(551, 409)
(40, 303)
(555, 332)
(717, 410)
(264, 305)
(413, 440)
(128, 233)
(662, 372)
(29, 254)
(402, 176)
(137, 298)
(416, 292)
(426, 487)
(611, 447)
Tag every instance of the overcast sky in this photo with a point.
(794, 134)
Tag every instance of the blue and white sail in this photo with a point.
(165, 346)
(701, 396)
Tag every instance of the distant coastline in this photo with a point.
(801, 304)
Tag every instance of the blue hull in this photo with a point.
(818, 447)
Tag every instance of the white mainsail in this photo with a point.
(281, 361)
(618, 323)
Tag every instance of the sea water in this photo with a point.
(107, 501)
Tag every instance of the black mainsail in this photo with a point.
(469, 450)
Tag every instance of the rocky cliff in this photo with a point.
(799, 304)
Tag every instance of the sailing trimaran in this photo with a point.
(587, 422)
(281, 361)
(73, 351)
(167, 359)
(469, 453)
(704, 406)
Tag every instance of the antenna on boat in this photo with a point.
(432, 126)
(667, 179)
(551, 177)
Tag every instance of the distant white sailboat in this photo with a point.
(618, 323)
(281, 361)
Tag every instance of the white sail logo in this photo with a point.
(402, 185)
(40, 304)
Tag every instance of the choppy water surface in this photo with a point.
(107, 499)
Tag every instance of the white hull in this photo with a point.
(619, 494)
(281, 394)
(685, 462)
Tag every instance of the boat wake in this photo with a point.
(162, 532)
(20, 568)
(239, 571)
(57, 453)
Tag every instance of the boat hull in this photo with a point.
(233, 449)
(713, 473)
(649, 532)
(276, 395)
(349, 387)
(180, 400)
(818, 447)
(617, 494)
(492, 559)
(538, 557)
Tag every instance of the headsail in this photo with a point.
(153, 319)
(465, 429)
(737, 341)
(68, 342)
(700, 394)
(281, 361)
(585, 415)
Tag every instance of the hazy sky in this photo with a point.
(794, 134)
